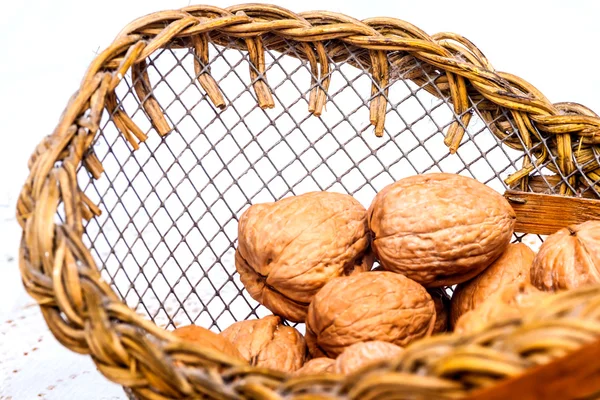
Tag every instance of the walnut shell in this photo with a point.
(373, 306)
(361, 354)
(439, 229)
(510, 301)
(441, 300)
(208, 339)
(569, 258)
(512, 266)
(267, 343)
(289, 249)
(316, 366)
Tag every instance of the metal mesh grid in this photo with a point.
(166, 237)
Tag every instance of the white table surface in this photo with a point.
(34, 365)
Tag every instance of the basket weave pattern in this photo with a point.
(85, 310)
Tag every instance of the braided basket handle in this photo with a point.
(85, 314)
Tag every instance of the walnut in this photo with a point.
(439, 229)
(441, 300)
(442, 309)
(267, 343)
(316, 366)
(208, 339)
(289, 249)
(370, 306)
(512, 266)
(569, 258)
(361, 354)
(510, 301)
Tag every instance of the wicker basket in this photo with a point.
(129, 212)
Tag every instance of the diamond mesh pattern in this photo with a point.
(166, 237)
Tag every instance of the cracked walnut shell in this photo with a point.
(289, 249)
(569, 258)
(371, 306)
(512, 266)
(439, 229)
(267, 343)
(361, 354)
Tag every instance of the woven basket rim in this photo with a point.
(82, 310)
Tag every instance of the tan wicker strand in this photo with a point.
(86, 316)
(202, 69)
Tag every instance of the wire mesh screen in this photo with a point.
(166, 237)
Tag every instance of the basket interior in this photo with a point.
(166, 237)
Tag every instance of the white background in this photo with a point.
(46, 47)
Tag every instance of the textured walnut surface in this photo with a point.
(369, 306)
(316, 366)
(568, 259)
(512, 266)
(510, 301)
(442, 309)
(361, 354)
(439, 229)
(289, 249)
(267, 343)
(209, 339)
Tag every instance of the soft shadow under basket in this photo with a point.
(130, 211)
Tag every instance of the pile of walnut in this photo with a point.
(308, 259)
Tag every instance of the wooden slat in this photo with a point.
(575, 376)
(544, 214)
